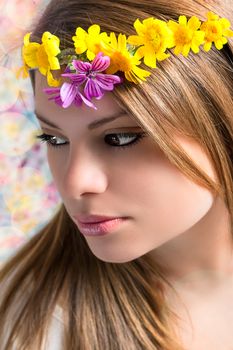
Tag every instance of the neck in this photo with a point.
(201, 256)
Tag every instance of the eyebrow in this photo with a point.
(91, 126)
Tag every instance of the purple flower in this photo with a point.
(68, 94)
(57, 97)
(90, 74)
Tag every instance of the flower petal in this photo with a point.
(78, 100)
(80, 46)
(218, 44)
(142, 74)
(94, 29)
(108, 87)
(68, 93)
(80, 33)
(92, 89)
(51, 81)
(52, 91)
(178, 49)
(121, 42)
(87, 102)
(194, 23)
(113, 40)
(81, 66)
(107, 81)
(162, 56)
(130, 76)
(26, 38)
(183, 20)
(67, 70)
(224, 40)
(207, 46)
(150, 57)
(30, 54)
(77, 78)
(228, 32)
(135, 40)
(138, 26)
(140, 52)
(173, 25)
(51, 43)
(90, 55)
(186, 49)
(54, 63)
(195, 48)
(100, 63)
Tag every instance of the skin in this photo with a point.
(178, 223)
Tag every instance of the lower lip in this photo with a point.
(100, 228)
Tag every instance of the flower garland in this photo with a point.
(99, 61)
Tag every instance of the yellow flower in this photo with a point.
(90, 41)
(28, 51)
(22, 71)
(216, 31)
(154, 37)
(42, 56)
(122, 60)
(187, 35)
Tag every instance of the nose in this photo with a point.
(84, 173)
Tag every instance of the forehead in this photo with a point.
(108, 105)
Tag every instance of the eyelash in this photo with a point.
(47, 139)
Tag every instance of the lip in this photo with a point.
(100, 228)
(86, 219)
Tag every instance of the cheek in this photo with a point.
(56, 161)
(177, 202)
(159, 196)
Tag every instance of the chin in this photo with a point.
(115, 258)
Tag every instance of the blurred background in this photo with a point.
(28, 197)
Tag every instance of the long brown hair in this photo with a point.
(109, 305)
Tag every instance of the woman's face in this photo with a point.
(94, 176)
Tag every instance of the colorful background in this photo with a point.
(28, 197)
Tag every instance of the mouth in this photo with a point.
(100, 228)
(90, 219)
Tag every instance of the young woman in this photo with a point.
(147, 150)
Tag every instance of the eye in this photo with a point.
(50, 140)
(123, 140)
(113, 140)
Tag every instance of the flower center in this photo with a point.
(213, 33)
(91, 74)
(153, 37)
(183, 36)
(121, 61)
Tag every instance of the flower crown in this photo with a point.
(99, 61)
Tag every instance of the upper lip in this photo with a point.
(85, 219)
